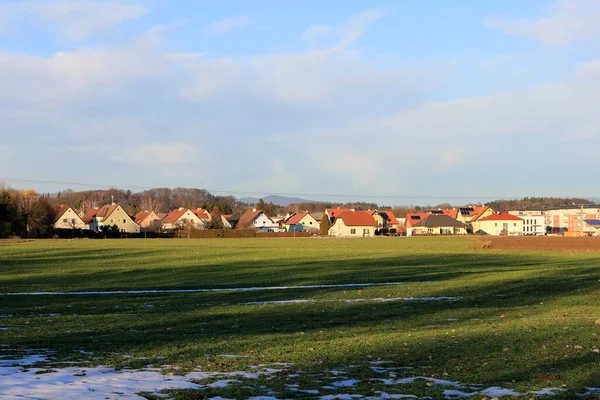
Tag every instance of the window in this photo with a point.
(124, 221)
(122, 229)
(366, 231)
(73, 221)
(65, 220)
(353, 231)
(112, 221)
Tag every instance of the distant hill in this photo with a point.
(277, 200)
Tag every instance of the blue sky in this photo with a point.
(378, 100)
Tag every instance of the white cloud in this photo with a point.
(345, 34)
(75, 20)
(566, 22)
(226, 25)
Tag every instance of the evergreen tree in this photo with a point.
(216, 222)
(325, 225)
(261, 205)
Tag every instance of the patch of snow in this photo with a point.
(242, 289)
(548, 391)
(346, 383)
(223, 383)
(341, 397)
(495, 391)
(375, 299)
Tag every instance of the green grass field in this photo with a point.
(519, 320)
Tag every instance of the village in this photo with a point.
(341, 222)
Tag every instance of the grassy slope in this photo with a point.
(525, 319)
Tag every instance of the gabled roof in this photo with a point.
(60, 210)
(246, 219)
(106, 210)
(295, 218)
(503, 216)
(357, 218)
(413, 218)
(139, 217)
(478, 211)
(89, 215)
(174, 215)
(390, 217)
(201, 213)
(337, 212)
(439, 220)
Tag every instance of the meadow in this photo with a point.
(307, 318)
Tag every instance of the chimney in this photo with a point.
(254, 210)
(180, 208)
(112, 200)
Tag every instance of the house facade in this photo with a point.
(108, 215)
(353, 224)
(501, 224)
(411, 220)
(439, 225)
(257, 220)
(300, 221)
(182, 218)
(534, 223)
(67, 218)
(571, 219)
(148, 221)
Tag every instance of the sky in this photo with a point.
(396, 102)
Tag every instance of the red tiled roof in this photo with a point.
(246, 219)
(89, 215)
(391, 217)
(142, 216)
(106, 210)
(337, 212)
(201, 213)
(414, 218)
(504, 216)
(477, 211)
(295, 218)
(174, 215)
(357, 218)
(60, 210)
(451, 213)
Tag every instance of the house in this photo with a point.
(534, 223)
(202, 214)
(182, 218)
(501, 224)
(225, 221)
(257, 220)
(353, 224)
(333, 213)
(439, 225)
(232, 220)
(571, 219)
(451, 213)
(300, 221)
(411, 220)
(148, 221)
(472, 215)
(67, 218)
(109, 215)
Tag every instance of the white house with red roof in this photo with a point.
(182, 218)
(411, 220)
(353, 224)
(257, 220)
(67, 218)
(501, 224)
(300, 221)
(110, 215)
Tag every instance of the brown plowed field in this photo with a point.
(556, 243)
